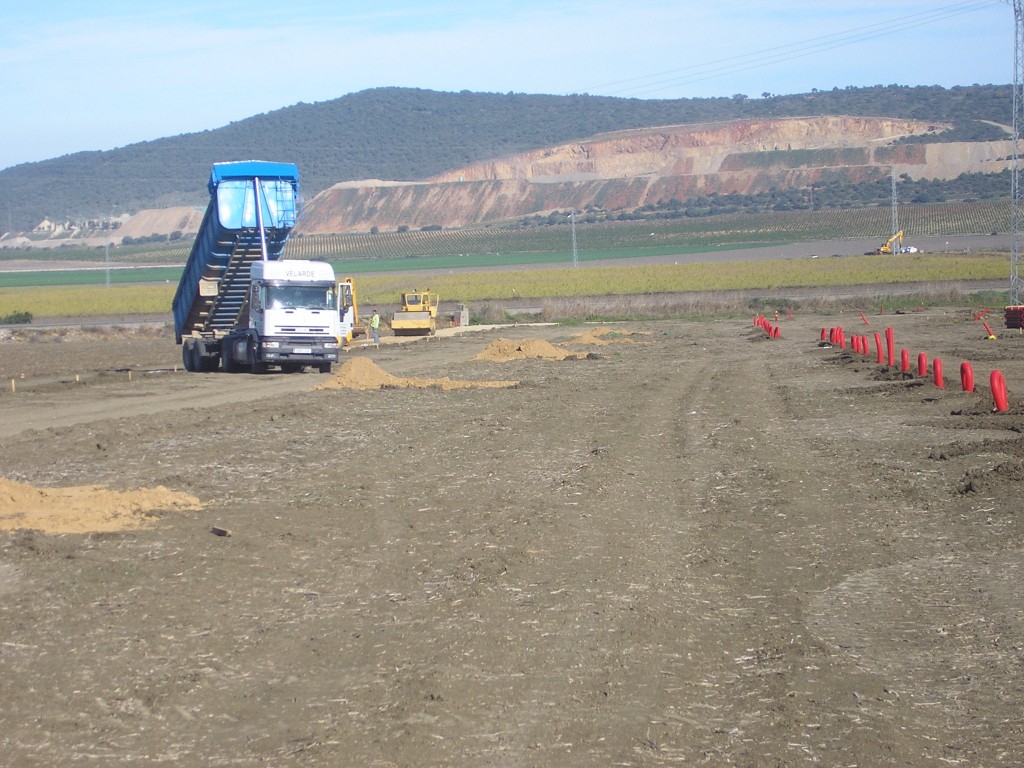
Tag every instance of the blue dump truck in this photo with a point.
(239, 305)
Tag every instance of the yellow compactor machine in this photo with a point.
(418, 315)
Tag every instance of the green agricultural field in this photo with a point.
(513, 244)
(87, 301)
(469, 286)
(624, 239)
(492, 262)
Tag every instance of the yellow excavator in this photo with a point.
(887, 248)
(418, 315)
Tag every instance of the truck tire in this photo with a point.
(325, 367)
(205, 361)
(256, 366)
(189, 358)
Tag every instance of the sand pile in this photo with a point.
(84, 509)
(363, 373)
(503, 350)
(601, 336)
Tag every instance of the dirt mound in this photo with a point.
(363, 373)
(84, 509)
(503, 350)
(602, 336)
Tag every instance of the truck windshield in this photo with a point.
(300, 297)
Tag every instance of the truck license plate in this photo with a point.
(303, 351)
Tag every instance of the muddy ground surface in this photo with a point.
(693, 545)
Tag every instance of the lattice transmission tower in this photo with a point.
(1018, 126)
(895, 206)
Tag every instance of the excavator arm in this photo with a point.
(887, 248)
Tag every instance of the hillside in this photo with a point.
(616, 174)
(411, 134)
(626, 170)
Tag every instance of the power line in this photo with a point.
(776, 55)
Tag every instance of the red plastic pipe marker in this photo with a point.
(878, 346)
(937, 373)
(890, 345)
(966, 377)
(904, 360)
(998, 383)
(922, 364)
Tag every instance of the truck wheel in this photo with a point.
(325, 367)
(189, 358)
(256, 366)
(204, 361)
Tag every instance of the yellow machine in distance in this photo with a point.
(418, 315)
(887, 247)
(348, 310)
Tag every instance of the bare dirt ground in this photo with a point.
(688, 545)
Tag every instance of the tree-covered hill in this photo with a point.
(408, 134)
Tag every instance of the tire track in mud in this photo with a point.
(578, 568)
(581, 541)
(821, 661)
(125, 399)
(652, 525)
(751, 489)
(771, 510)
(625, 624)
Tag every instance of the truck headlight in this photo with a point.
(271, 344)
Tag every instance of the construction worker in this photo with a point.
(375, 327)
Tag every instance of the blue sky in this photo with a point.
(105, 73)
